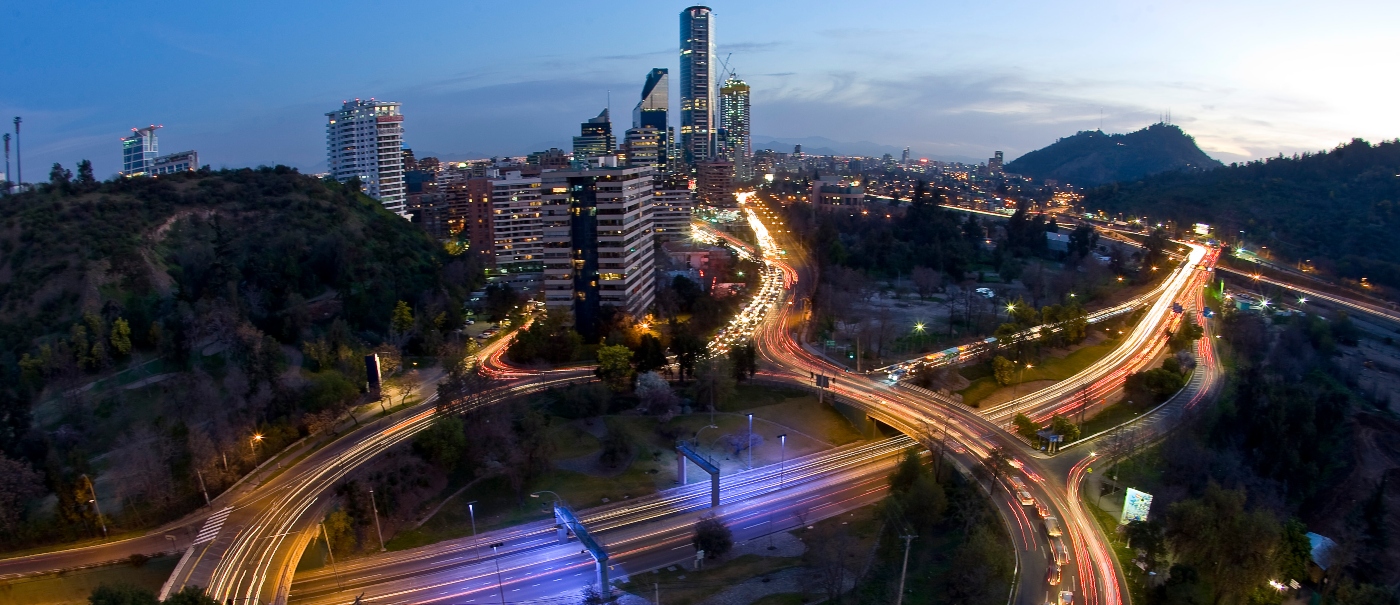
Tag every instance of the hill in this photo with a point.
(1337, 208)
(149, 327)
(1092, 157)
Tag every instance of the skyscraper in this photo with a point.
(904, 159)
(364, 140)
(697, 84)
(597, 138)
(651, 112)
(734, 122)
(139, 150)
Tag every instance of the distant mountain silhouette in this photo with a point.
(1093, 157)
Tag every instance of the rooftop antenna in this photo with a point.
(1100, 119)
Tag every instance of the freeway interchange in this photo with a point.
(253, 557)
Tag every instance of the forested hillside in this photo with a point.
(1092, 157)
(168, 320)
(1336, 208)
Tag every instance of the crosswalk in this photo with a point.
(212, 525)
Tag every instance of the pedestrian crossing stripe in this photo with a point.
(212, 525)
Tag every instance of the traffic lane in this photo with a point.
(633, 547)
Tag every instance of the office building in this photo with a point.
(904, 158)
(364, 140)
(837, 194)
(644, 147)
(715, 182)
(553, 158)
(651, 112)
(183, 161)
(674, 202)
(139, 151)
(697, 84)
(598, 242)
(596, 138)
(994, 163)
(734, 123)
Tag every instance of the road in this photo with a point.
(252, 558)
(1368, 309)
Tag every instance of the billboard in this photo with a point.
(1202, 229)
(1135, 506)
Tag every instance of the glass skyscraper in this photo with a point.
(697, 84)
(734, 123)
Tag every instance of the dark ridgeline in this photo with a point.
(1093, 157)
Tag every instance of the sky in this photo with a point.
(249, 83)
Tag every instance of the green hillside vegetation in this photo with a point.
(1337, 208)
(209, 285)
(1093, 157)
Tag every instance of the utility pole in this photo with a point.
(92, 488)
(331, 554)
(375, 507)
(656, 587)
(201, 486)
(898, 600)
(7, 162)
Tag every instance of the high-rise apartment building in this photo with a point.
(598, 242)
(139, 151)
(715, 182)
(697, 84)
(597, 138)
(904, 159)
(364, 140)
(516, 227)
(674, 202)
(734, 123)
(995, 163)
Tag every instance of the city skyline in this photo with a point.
(947, 84)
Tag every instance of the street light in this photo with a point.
(476, 545)
(749, 445)
(93, 488)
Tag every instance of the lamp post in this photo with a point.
(749, 445)
(476, 545)
(91, 487)
(495, 557)
(375, 507)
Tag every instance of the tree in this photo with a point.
(1148, 537)
(650, 354)
(400, 387)
(744, 361)
(18, 485)
(998, 463)
(1232, 548)
(1082, 240)
(401, 323)
(1064, 427)
(615, 366)
(617, 446)
(121, 594)
(85, 176)
(714, 382)
(831, 555)
(442, 443)
(121, 336)
(1025, 427)
(1186, 335)
(926, 281)
(1004, 370)
(190, 595)
(59, 177)
(712, 537)
(688, 348)
(655, 394)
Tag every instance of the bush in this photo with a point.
(712, 537)
(443, 443)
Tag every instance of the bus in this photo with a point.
(1052, 527)
(1022, 494)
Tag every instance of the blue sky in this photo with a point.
(248, 83)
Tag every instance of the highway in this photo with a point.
(1365, 308)
(253, 557)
